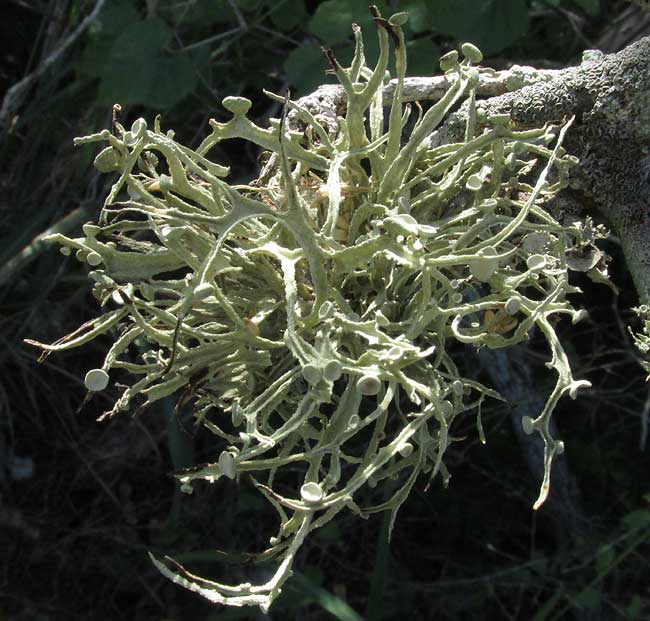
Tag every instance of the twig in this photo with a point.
(490, 84)
(212, 39)
(37, 246)
(238, 14)
(17, 93)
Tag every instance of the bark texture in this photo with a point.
(609, 94)
(610, 97)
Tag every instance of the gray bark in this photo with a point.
(610, 97)
(609, 94)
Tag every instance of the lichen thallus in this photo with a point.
(308, 317)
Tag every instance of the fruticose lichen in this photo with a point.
(310, 316)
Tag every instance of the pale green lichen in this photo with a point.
(316, 307)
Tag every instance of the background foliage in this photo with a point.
(82, 502)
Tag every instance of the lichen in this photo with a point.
(309, 317)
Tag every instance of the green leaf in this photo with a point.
(333, 18)
(604, 559)
(200, 58)
(92, 60)
(114, 18)
(492, 25)
(141, 39)
(588, 598)
(119, 87)
(173, 78)
(287, 15)
(422, 57)
(636, 520)
(419, 16)
(140, 71)
(305, 68)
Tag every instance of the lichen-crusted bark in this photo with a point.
(328, 100)
(610, 98)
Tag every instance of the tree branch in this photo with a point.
(608, 95)
(15, 96)
(329, 99)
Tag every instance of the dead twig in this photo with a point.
(15, 96)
